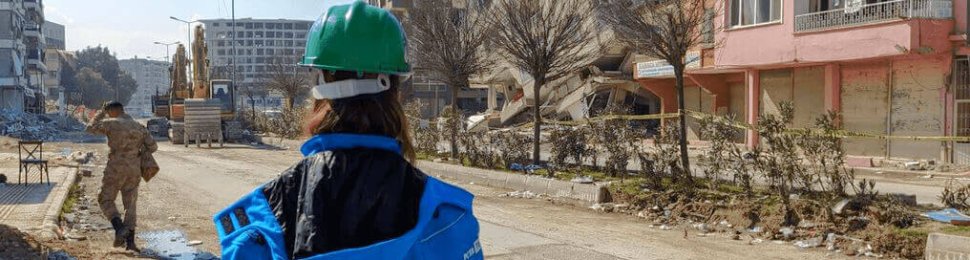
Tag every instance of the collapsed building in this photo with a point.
(581, 94)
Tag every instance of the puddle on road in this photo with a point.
(171, 245)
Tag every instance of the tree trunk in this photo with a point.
(684, 158)
(454, 121)
(537, 116)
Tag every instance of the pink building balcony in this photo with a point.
(766, 33)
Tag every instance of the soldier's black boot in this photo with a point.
(120, 231)
(130, 242)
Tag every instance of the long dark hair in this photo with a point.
(373, 114)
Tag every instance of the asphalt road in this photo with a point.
(195, 183)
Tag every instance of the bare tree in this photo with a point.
(546, 39)
(449, 41)
(287, 79)
(664, 29)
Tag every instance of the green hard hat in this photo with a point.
(357, 37)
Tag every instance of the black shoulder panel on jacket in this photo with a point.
(345, 199)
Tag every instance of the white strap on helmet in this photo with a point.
(351, 87)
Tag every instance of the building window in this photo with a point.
(751, 12)
(270, 26)
(302, 26)
(258, 26)
(288, 26)
(215, 24)
(221, 43)
(221, 52)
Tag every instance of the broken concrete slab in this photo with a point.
(942, 246)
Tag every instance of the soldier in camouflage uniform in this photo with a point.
(128, 140)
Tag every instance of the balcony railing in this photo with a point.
(874, 13)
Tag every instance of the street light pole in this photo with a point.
(235, 89)
(167, 57)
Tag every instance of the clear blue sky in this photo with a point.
(130, 27)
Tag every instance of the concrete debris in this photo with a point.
(603, 207)
(81, 158)
(928, 176)
(75, 236)
(522, 195)
(806, 224)
(756, 241)
(27, 126)
(913, 166)
(702, 227)
(665, 227)
(583, 180)
(830, 241)
(809, 243)
(787, 232)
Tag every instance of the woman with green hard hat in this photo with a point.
(356, 194)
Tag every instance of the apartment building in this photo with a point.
(152, 77)
(21, 55)
(54, 35)
(889, 67)
(259, 44)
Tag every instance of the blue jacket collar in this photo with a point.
(330, 142)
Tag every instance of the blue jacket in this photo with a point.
(289, 218)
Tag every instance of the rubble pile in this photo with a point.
(27, 126)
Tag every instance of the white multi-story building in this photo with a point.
(258, 43)
(22, 68)
(152, 77)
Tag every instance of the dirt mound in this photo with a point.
(17, 245)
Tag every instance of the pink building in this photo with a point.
(891, 67)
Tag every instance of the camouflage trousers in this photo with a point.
(121, 175)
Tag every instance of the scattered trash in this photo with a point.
(521, 194)
(913, 166)
(582, 180)
(665, 227)
(603, 207)
(756, 241)
(531, 168)
(809, 243)
(806, 224)
(756, 230)
(928, 176)
(3, 179)
(702, 227)
(787, 232)
(947, 216)
(837, 209)
(194, 243)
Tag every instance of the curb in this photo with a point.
(49, 225)
(587, 193)
(941, 246)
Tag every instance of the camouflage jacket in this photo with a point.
(126, 137)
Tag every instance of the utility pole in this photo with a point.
(232, 62)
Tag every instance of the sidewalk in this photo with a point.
(35, 207)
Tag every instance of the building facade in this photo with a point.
(22, 66)
(433, 94)
(260, 43)
(888, 67)
(152, 77)
(54, 34)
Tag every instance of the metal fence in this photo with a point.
(873, 13)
